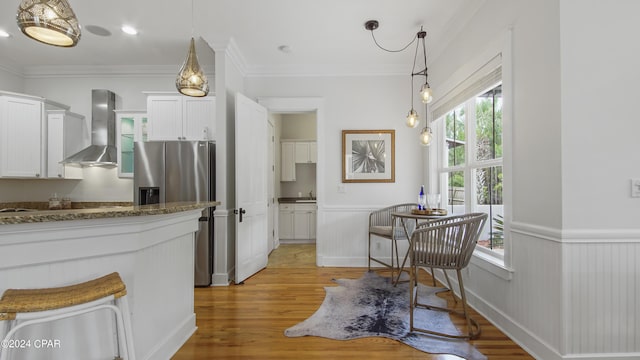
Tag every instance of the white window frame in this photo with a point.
(498, 54)
(470, 165)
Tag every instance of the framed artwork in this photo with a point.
(368, 156)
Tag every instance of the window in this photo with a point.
(470, 162)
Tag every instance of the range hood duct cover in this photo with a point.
(102, 151)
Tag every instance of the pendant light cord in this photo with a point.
(388, 50)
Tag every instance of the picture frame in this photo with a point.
(368, 156)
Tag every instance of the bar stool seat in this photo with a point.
(24, 307)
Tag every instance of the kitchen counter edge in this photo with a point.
(101, 213)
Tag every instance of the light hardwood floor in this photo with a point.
(248, 321)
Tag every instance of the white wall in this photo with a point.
(372, 102)
(355, 103)
(599, 145)
(528, 306)
(298, 126)
(574, 280)
(11, 80)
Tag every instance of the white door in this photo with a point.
(251, 188)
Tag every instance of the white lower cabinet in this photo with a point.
(285, 221)
(297, 221)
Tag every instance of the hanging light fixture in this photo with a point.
(425, 136)
(191, 80)
(426, 94)
(51, 22)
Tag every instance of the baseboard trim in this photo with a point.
(174, 341)
(220, 279)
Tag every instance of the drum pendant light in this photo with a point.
(51, 22)
(191, 80)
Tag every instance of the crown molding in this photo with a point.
(98, 71)
(323, 70)
(231, 49)
(12, 69)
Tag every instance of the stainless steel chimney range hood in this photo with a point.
(102, 151)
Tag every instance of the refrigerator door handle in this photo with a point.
(242, 211)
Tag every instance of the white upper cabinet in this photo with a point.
(21, 128)
(177, 117)
(35, 135)
(65, 134)
(131, 126)
(306, 152)
(287, 163)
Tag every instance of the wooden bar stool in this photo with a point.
(24, 307)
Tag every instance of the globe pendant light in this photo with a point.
(191, 81)
(412, 119)
(425, 94)
(425, 136)
(51, 22)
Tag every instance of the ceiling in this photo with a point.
(324, 36)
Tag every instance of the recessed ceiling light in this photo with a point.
(127, 29)
(4, 34)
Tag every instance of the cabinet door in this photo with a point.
(22, 136)
(302, 152)
(313, 152)
(312, 224)
(301, 225)
(165, 117)
(306, 152)
(198, 118)
(285, 224)
(305, 223)
(126, 128)
(64, 135)
(287, 163)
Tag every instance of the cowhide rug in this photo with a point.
(372, 306)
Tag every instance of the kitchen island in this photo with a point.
(151, 246)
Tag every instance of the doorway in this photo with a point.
(309, 108)
(295, 180)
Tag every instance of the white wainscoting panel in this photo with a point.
(603, 297)
(343, 234)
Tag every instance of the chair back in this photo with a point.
(382, 217)
(447, 243)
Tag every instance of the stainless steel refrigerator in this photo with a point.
(174, 171)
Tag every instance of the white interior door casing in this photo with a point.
(271, 204)
(251, 188)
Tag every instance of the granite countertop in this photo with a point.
(293, 200)
(100, 212)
